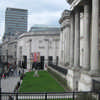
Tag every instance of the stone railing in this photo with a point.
(59, 68)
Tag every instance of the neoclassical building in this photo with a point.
(40, 39)
(64, 38)
(9, 50)
(79, 39)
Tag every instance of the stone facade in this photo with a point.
(12, 52)
(4, 51)
(64, 38)
(46, 43)
(42, 39)
(9, 52)
(83, 65)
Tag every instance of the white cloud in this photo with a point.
(44, 18)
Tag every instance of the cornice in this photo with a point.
(49, 34)
(75, 3)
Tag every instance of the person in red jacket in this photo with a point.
(3, 76)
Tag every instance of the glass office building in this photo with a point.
(15, 21)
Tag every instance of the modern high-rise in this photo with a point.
(15, 21)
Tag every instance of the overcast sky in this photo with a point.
(45, 12)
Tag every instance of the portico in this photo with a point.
(79, 75)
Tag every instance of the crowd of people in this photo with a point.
(8, 72)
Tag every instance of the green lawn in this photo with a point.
(44, 83)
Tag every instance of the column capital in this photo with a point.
(78, 9)
(86, 7)
(86, 1)
(72, 13)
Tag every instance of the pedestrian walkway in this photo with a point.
(9, 84)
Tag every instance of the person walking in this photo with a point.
(19, 72)
(3, 76)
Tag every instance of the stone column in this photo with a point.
(65, 56)
(77, 39)
(67, 31)
(95, 37)
(72, 40)
(86, 61)
(60, 50)
(63, 49)
(67, 45)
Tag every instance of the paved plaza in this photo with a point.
(9, 84)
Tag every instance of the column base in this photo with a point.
(74, 68)
(94, 73)
(66, 64)
(71, 66)
(86, 81)
(72, 79)
(86, 68)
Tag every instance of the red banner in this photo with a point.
(35, 57)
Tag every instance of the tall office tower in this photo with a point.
(15, 21)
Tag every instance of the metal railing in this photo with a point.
(51, 96)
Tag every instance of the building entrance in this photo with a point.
(50, 59)
(41, 62)
(25, 61)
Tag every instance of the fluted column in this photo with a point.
(62, 53)
(86, 61)
(95, 37)
(67, 44)
(72, 40)
(67, 30)
(60, 57)
(77, 39)
(63, 49)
